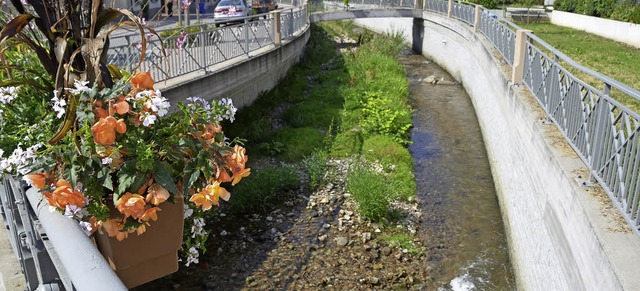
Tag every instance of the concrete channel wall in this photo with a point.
(561, 236)
(243, 81)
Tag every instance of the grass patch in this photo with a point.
(315, 165)
(260, 191)
(369, 190)
(298, 142)
(611, 58)
(402, 241)
(354, 104)
(397, 164)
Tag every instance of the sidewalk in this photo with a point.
(11, 274)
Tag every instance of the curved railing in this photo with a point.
(204, 45)
(603, 131)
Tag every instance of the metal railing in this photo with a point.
(603, 131)
(207, 46)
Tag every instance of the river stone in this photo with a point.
(386, 251)
(374, 280)
(342, 241)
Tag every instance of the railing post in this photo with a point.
(450, 9)
(290, 23)
(203, 46)
(518, 56)
(476, 19)
(246, 36)
(424, 4)
(277, 29)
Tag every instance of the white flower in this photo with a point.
(187, 211)
(86, 227)
(142, 95)
(192, 257)
(229, 111)
(58, 104)
(80, 86)
(198, 227)
(72, 211)
(148, 119)
(107, 161)
(4, 165)
(158, 104)
(195, 101)
(1, 111)
(8, 94)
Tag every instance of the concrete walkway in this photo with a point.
(11, 277)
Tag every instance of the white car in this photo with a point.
(230, 10)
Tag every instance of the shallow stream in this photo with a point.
(462, 225)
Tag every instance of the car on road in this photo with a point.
(231, 11)
(264, 6)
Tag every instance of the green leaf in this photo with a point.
(162, 174)
(105, 178)
(139, 181)
(126, 176)
(192, 175)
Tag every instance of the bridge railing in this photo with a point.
(202, 46)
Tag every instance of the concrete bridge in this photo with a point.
(364, 13)
(546, 132)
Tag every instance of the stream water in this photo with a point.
(462, 225)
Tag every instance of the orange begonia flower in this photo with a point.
(210, 131)
(114, 228)
(237, 176)
(104, 131)
(156, 194)
(131, 205)
(121, 127)
(141, 229)
(65, 195)
(37, 180)
(100, 113)
(209, 196)
(142, 80)
(238, 157)
(150, 213)
(121, 106)
(223, 175)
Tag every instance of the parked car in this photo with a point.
(264, 6)
(231, 10)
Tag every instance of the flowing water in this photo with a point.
(462, 225)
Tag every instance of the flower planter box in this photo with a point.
(154, 254)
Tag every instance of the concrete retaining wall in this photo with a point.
(624, 32)
(242, 81)
(561, 236)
